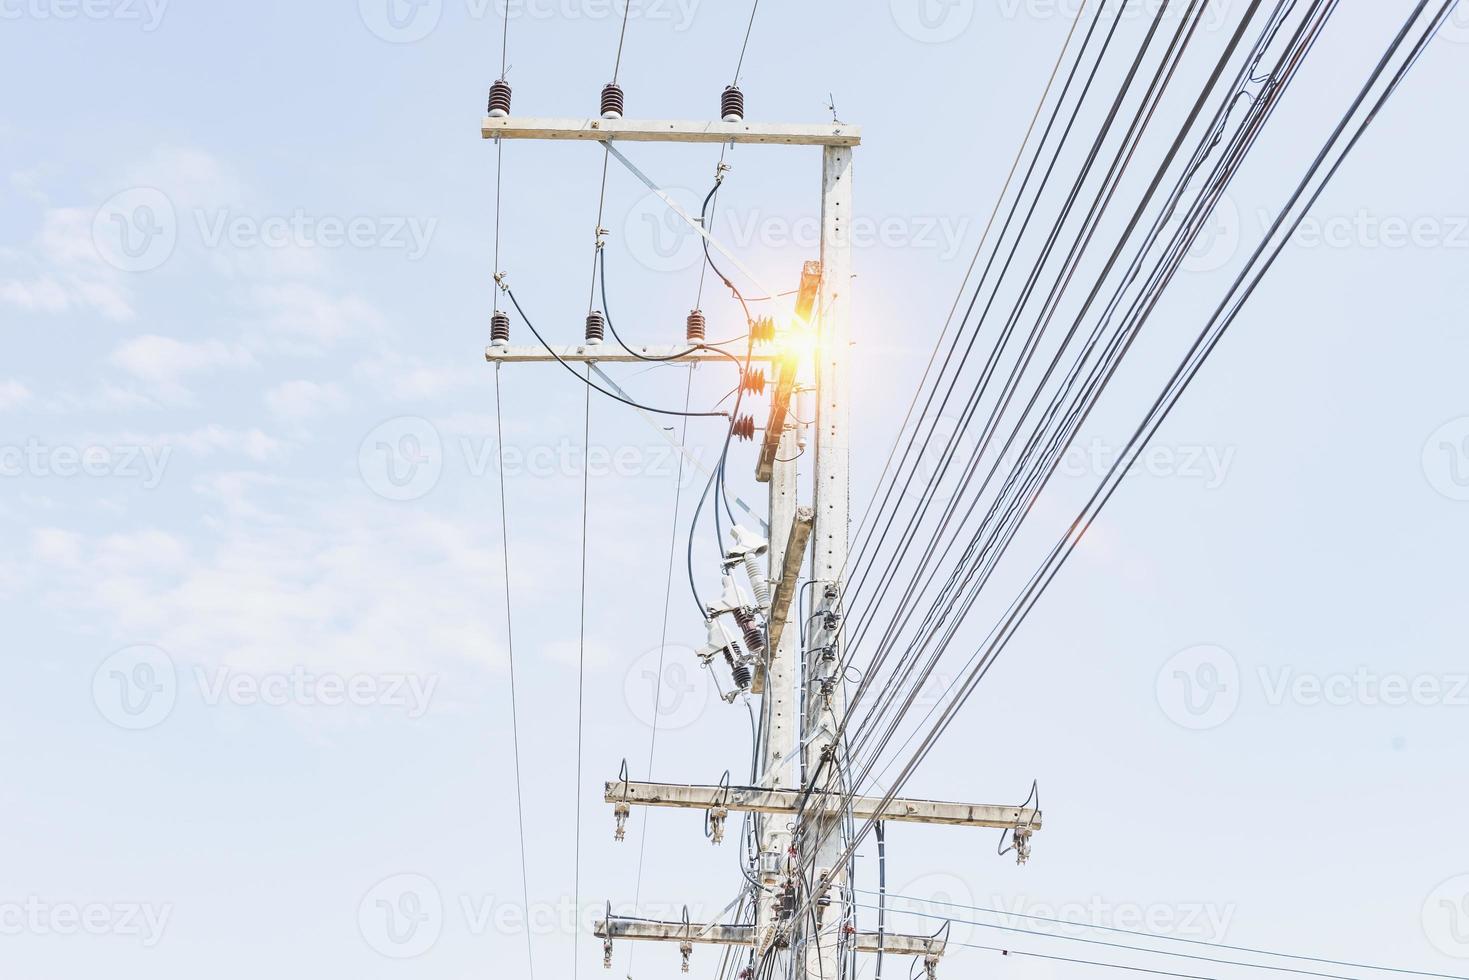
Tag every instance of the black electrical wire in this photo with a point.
(890, 569)
(927, 554)
(927, 412)
(1224, 316)
(716, 479)
(586, 484)
(1176, 256)
(593, 385)
(607, 313)
(662, 643)
(510, 648)
(933, 545)
(1198, 958)
(882, 891)
(1052, 238)
(1178, 939)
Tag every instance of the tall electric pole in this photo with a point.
(800, 800)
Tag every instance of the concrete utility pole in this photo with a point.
(801, 799)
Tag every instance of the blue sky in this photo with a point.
(257, 686)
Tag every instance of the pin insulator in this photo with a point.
(744, 428)
(732, 105)
(754, 635)
(696, 327)
(742, 676)
(500, 328)
(596, 327)
(500, 99)
(613, 102)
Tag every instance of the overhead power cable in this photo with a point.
(593, 385)
(1228, 310)
(1161, 937)
(1196, 957)
(973, 262)
(932, 551)
(662, 651)
(510, 651)
(581, 660)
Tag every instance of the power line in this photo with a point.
(662, 648)
(581, 667)
(593, 386)
(1165, 938)
(926, 554)
(621, 37)
(1080, 962)
(1005, 630)
(1224, 316)
(744, 47)
(510, 647)
(1124, 946)
(979, 250)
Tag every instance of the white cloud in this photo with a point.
(298, 400)
(205, 441)
(308, 320)
(35, 295)
(407, 378)
(339, 586)
(167, 361)
(64, 271)
(57, 547)
(27, 183)
(106, 398)
(13, 393)
(191, 177)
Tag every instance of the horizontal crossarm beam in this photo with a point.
(611, 354)
(756, 800)
(732, 935)
(671, 131)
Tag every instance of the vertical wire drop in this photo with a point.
(662, 647)
(510, 646)
(581, 667)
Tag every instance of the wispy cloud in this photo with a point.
(297, 401)
(63, 271)
(13, 393)
(345, 587)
